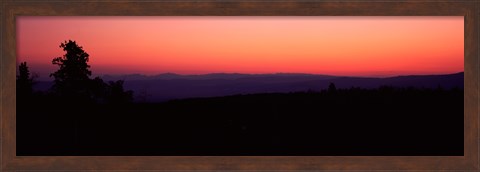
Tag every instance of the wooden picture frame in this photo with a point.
(9, 10)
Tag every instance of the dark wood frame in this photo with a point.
(470, 9)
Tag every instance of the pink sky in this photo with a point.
(356, 46)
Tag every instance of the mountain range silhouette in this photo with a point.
(169, 86)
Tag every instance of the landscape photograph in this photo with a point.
(240, 86)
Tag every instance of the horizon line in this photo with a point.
(277, 73)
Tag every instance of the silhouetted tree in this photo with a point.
(72, 78)
(117, 94)
(332, 88)
(24, 80)
(99, 90)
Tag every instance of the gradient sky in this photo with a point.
(354, 46)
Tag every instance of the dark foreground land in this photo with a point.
(385, 121)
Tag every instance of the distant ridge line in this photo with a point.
(170, 75)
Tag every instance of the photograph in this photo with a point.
(240, 85)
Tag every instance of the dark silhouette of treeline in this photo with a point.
(83, 116)
(384, 121)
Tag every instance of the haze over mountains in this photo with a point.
(171, 86)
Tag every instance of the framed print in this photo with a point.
(255, 85)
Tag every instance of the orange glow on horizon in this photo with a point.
(354, 46)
